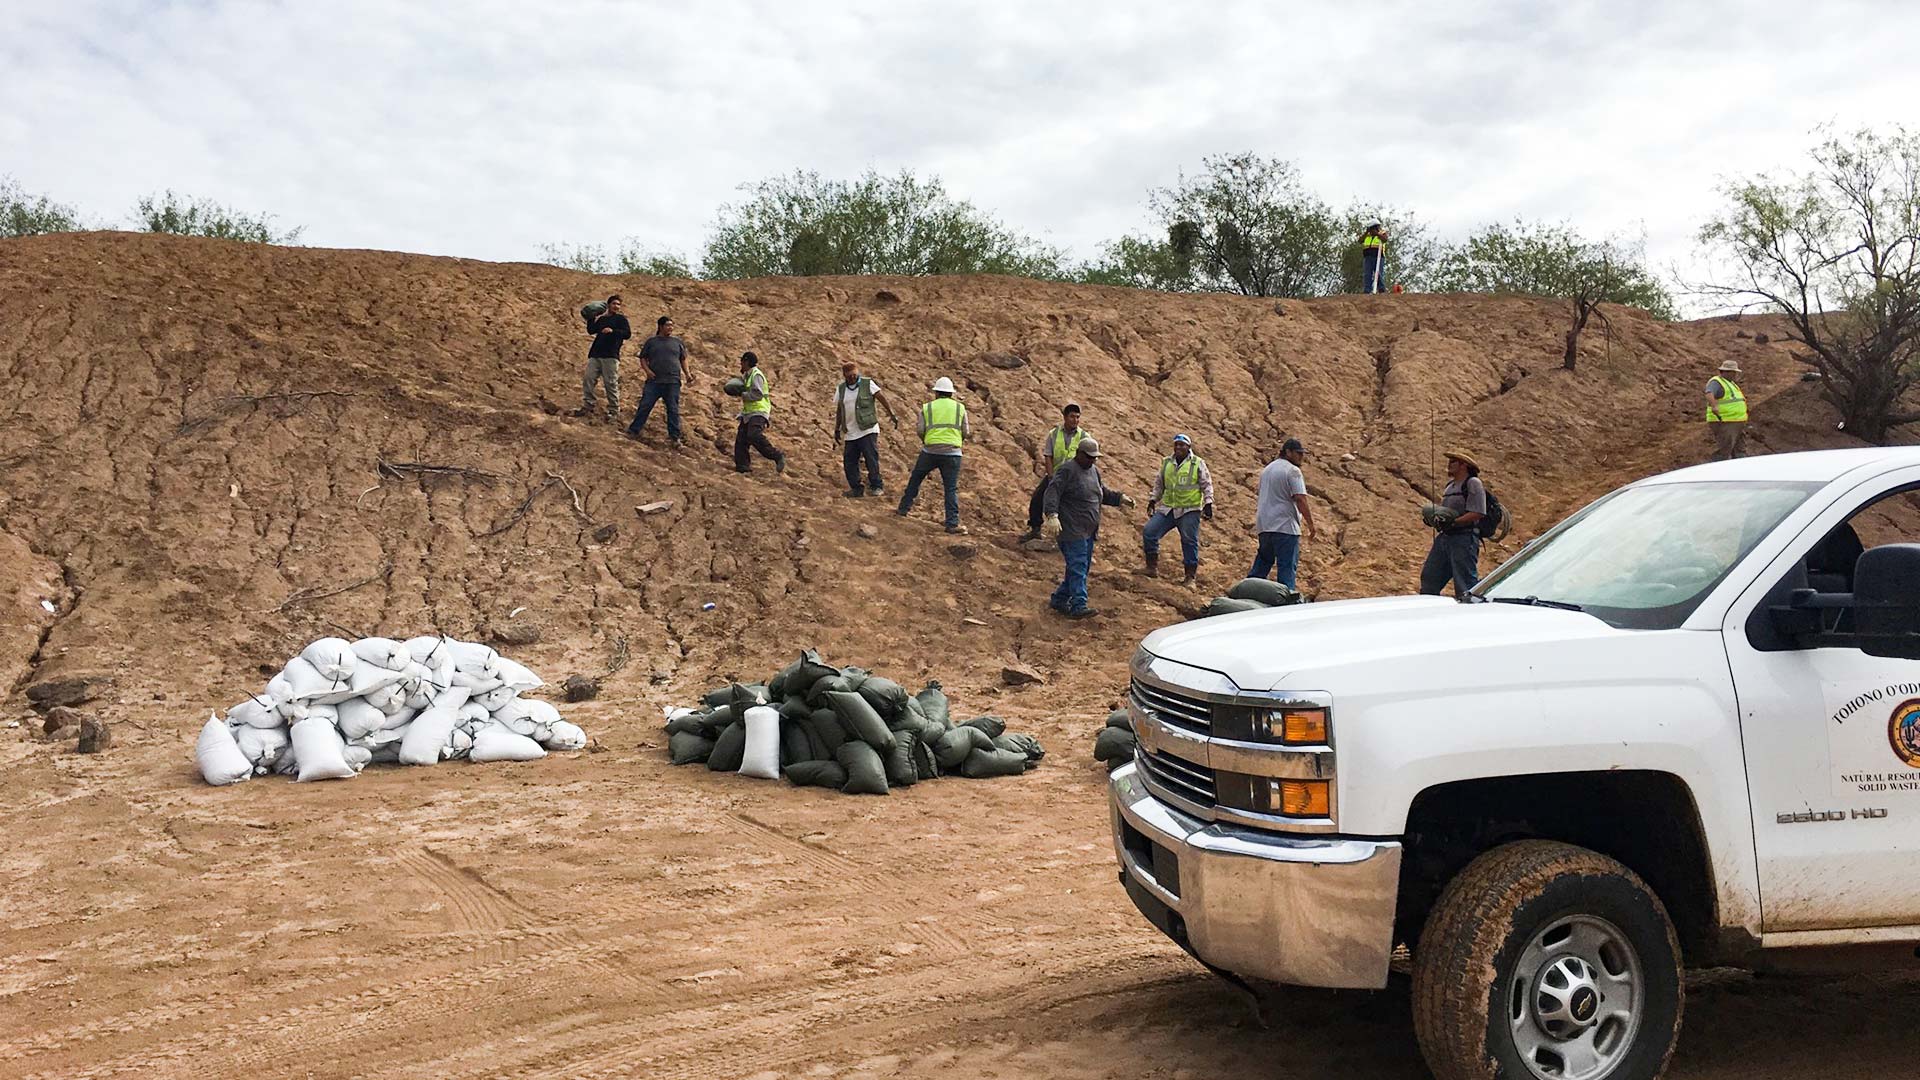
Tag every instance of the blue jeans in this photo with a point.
(1372, 277)
(949, 466)
(1072, 593)
(1280, 553)
(650, 392)
(1161, 523)
(853, 452)
(1455, 557)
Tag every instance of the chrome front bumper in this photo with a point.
(1292, 909)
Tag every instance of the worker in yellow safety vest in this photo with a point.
(1373, 259)
(1182, 496)
(943, 432)
(756, 412)
(1726, 412)
(1056, 449)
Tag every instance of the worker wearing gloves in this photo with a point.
(1182, 496)
(1072, 509)
(1455, 554)
(943, 432)
(1056, 449)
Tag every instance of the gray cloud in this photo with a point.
(491, 130)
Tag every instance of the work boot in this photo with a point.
(1152, 569)
(613, 416)
(584, 410)
(854, 493)
(1192, 572)
(956, 530)
(780, 464)
(878, 489)
(1082, 613)
(1031, 534)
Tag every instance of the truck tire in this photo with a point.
(1545, 960)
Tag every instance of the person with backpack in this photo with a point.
(856, 427)
(665, 358)
(610, 329)
(1465, 515)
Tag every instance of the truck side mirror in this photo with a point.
(1886, 601)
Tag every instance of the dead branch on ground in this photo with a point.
(308, 596)
(229, 405)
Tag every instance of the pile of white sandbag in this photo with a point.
(340, 706)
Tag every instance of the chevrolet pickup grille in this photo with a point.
(1194, 783)
(1169, 708)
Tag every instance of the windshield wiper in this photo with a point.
(1534, 601)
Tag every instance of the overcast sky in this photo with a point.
(486, 133)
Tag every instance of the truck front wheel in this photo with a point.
(1546, 961)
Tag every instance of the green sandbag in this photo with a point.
(734, 387)
(827, 774)
(1021, 744)
(718, 696)
(715, 721)
(691, 723)
(886, 696)
(933, 702)
(1120, 718)
(924, 766)
(729, 750)
(1263, 592)
(817, 693)
(860, 720)
(1227, 605)
(955, 745)
(796, 708)
(746, 696)
(992, 725)
(794, 745)
(799, 676)
(866, 773)
(901, 771)
(686, 748)
(827, 725)
(592, 311)
(1114, 746)
(985, 763)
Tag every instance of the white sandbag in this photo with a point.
(358, 757)
(262, 746)
(471, 655)
(430, 650)
(518, 676)
(322, 754)
(383, 652)
(299, 711)
(428, 732)
(279, 690)
(384, 737)
(255, 712)
(477, 681)
(565, 735)
(332, 657)
(495, 698)
(541, 712)
(390, 699)
(514, 709)
(308, 684)
(366, 679)
(541, 733)
(762, 758)
(673, 713)
(474, 713)
(358, 717)
(219, 757)
(495, 743)
(459, 744)
(396, 720)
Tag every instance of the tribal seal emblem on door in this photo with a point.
(1903, 731)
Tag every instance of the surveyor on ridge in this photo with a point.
(1073, 507)
(1182, 496)
(1056, 449)
(609, 329)
(756, 413)
(943, 432)
(1373, 259)
(1455, 554)
(856, 427)
(664, 356)
(1726, 412)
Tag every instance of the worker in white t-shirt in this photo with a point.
(1279, 513)
(856, 427)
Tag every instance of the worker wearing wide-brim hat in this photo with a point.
(943, 433)
(1455, 554)
(1726, 412)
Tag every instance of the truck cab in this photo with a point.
(1681, 728)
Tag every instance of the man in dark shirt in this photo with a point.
(1455, 554)
(665, 358)
(610, 330)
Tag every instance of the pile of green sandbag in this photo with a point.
(850, 729)
(1114, 745)
(1250, 594)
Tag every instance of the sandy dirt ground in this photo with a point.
(195, 431)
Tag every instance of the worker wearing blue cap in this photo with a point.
(1182, 496)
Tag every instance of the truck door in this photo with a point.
(1831, 735)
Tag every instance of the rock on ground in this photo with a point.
(95, 736)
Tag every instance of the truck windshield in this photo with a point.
(1643, 558)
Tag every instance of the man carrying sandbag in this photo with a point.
(756, 412)
(664, 356)
(856, 427)
(610, 330)
(943, 432)
(1073, 506)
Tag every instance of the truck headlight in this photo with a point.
(1294, 727)
(1300, 798)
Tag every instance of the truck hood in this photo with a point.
(1260, 650)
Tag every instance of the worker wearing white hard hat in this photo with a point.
(943, 433)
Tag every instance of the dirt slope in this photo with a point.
(191, 479)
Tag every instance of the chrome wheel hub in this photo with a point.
(1576, 999)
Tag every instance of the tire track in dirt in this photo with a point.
(473, 902)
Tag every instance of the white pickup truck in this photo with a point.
(1682, 728)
